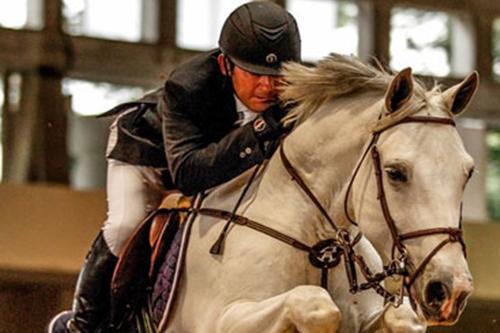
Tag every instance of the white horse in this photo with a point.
(262, 284)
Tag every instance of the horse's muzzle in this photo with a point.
(444, 300)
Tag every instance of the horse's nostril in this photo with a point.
(436, 293)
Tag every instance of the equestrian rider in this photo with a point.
(215, 117)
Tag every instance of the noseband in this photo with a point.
(400, 263)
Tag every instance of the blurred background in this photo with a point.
(64, 61)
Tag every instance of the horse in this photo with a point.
(372, 175)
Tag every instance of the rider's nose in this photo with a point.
(266, 82)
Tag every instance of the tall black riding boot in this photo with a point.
(93, 289)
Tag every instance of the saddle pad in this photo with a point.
(166, 285)
(163, 292)
(131, 277)
(167, 279)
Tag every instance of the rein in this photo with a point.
(328, 253)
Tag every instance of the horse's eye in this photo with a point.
(396, 175)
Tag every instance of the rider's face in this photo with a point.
(257, 92)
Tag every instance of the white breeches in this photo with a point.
(133, 191)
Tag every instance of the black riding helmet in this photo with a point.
(259, 36)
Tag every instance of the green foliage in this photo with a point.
(346, 13)
(493, 174)
(496, 37)
(496, 48)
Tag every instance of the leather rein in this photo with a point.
(327, 253)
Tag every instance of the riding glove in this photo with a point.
(268, 129)
(267, 126)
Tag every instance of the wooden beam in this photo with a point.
(381, 30)
(148, 64)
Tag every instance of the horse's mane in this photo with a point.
(307, 88)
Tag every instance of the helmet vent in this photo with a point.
(271, 34)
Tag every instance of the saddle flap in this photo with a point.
(140, 259)
(138, 262)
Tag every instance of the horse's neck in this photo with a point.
(324, 150)
(327, 145)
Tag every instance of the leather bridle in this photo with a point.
(399, 264)
(328, 253)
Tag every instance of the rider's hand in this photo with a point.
(267, 126)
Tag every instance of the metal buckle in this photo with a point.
(343, 237)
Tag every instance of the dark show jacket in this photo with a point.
(188, 128)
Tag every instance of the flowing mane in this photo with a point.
(310, 87)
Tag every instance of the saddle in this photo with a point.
(139, 262)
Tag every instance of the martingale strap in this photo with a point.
(324, 255)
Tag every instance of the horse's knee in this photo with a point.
(403, 320)
(312, 310)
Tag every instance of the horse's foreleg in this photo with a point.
(397, 320)
(402, 320)
(304, 309)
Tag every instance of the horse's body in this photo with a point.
(260, 284)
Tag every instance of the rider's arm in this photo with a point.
(195, 162)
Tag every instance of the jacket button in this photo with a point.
(248, 150)
(243, 154)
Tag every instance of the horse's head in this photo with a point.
(407, 194)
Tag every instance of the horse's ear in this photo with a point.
(399, 91)
(458, 97)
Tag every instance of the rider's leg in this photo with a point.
(133, 191)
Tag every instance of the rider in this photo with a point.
(215, 117)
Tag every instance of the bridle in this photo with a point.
(400, 261)
(328, 253)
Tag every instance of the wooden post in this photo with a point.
(35, 139)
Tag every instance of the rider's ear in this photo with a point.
(458, 97)
(399, 91)
(221, 62)
(224, 65)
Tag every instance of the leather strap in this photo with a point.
(244, 221)
(296, 177)
(455, 234)
(421, 119)
(346, 249)
(398, 266)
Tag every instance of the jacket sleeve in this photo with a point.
(195, 163)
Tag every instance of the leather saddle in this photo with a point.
(141, 258)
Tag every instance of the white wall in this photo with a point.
(473, 133)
